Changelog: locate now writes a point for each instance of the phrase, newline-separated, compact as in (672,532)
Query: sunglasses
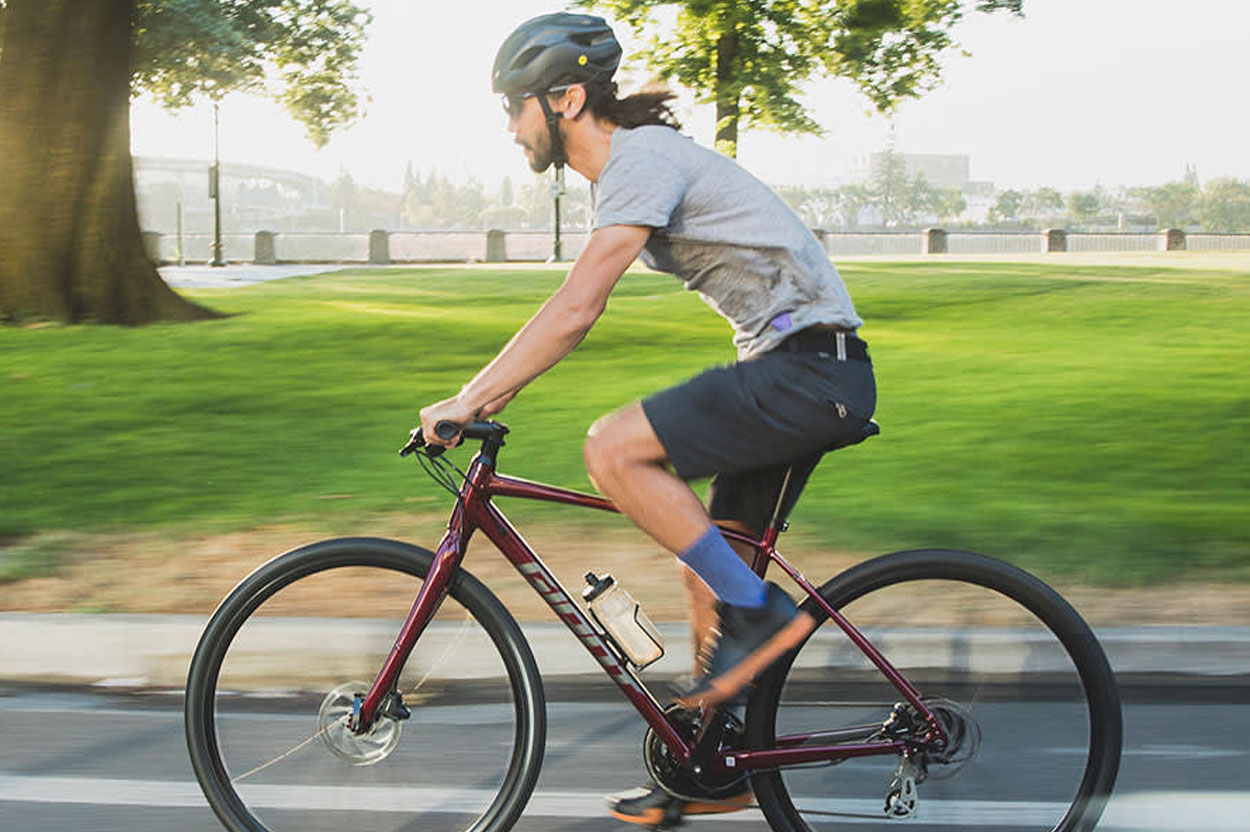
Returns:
(514,102)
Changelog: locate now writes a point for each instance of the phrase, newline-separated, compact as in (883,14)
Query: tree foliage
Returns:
(68,69)
(950,204)
(1083,205)
(891,197)
(301,52)
(752,57)
(895,204)
(1008,204)
(1043,203)
(430,200)
(1172,203)
(1224,205)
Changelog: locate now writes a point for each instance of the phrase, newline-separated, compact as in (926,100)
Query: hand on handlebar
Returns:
(449,410)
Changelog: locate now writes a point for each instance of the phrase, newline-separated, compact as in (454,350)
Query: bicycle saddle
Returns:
(869,430)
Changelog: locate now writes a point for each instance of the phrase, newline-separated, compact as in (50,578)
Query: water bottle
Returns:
(623,620)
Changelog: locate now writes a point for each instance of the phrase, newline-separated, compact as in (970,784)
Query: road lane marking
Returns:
(1183,752)
(175,794)
(1167,811)
(1141,811)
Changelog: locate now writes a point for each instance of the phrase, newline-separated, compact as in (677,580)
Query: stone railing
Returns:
(498,246)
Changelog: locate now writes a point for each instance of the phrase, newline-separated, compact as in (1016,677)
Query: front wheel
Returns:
(275,677)
(1021,686)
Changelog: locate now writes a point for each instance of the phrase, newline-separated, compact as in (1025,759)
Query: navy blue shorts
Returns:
(746,423)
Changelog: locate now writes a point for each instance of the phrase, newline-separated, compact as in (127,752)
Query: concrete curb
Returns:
(154,650)
(237,275)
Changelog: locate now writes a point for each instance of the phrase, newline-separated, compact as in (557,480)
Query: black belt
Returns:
(839,343)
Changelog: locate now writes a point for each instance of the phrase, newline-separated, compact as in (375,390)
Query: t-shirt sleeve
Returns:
(640,188)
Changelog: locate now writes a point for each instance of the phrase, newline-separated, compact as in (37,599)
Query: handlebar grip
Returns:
(444,429)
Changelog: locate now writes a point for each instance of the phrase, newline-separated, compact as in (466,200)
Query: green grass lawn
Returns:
(1086,420)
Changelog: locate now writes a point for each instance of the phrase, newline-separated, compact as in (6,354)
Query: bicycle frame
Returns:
(475,511)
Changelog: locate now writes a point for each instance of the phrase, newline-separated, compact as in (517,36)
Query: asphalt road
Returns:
(98,763)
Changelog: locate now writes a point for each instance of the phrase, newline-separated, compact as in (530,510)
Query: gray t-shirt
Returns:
(727,235)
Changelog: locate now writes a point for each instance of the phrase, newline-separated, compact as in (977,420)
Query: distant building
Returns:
(253,197)
(979,188)
(941,170)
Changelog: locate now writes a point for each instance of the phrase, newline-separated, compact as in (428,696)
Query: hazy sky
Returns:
(1079,92)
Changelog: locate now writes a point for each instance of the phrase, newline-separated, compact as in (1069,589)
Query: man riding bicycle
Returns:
(802,382)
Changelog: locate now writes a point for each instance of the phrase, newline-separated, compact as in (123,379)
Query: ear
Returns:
(574,103)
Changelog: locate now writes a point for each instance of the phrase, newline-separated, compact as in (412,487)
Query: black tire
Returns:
(1055,759)
(263,725)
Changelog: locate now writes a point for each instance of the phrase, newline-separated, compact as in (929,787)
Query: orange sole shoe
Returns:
(664,813)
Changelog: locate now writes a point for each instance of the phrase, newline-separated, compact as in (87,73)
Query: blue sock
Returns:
(723,571)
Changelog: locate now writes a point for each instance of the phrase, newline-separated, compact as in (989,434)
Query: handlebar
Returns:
(446,430)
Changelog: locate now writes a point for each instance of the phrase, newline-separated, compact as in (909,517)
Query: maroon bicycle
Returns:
(943,686)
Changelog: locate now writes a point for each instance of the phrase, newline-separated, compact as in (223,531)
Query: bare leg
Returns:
(626,462)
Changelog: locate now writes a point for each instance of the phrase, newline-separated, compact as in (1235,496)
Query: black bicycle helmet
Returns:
(553,49)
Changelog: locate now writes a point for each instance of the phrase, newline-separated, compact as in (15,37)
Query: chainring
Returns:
(677,778)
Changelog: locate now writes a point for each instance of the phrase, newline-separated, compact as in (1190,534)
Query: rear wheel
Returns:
(1017,679)
(275,678)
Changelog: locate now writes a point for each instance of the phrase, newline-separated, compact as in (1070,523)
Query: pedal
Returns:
(903,798)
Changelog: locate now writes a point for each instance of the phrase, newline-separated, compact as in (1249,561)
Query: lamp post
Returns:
(214,191)
(557,191)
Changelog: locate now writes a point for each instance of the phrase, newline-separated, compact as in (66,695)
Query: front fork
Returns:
(383,697)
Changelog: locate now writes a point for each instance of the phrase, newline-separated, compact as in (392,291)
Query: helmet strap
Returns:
(558,156)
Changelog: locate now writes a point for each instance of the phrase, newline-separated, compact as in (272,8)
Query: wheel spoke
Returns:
(272,690)
(241,777)
(1006,683)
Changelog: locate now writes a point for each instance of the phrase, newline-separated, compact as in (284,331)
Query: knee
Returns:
(616,444)
(601,454)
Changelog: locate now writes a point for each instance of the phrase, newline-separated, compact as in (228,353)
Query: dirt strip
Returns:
(125,573)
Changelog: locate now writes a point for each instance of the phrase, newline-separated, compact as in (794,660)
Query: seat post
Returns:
(779,521)
(804,466)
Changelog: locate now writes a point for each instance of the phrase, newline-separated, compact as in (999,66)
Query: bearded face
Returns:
(537,148)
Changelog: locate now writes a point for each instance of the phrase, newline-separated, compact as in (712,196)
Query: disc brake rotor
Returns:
(963,738)
(365,749)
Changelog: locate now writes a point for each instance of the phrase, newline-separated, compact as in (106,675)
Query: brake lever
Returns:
(444,429)
(416,441)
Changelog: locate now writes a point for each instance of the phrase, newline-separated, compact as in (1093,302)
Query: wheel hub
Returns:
(334,726)
(963,739)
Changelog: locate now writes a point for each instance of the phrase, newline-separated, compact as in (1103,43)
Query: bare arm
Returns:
(552,333)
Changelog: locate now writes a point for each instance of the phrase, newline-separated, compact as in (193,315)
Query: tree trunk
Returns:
(727,94)
(70,247)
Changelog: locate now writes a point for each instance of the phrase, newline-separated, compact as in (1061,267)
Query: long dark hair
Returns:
(646,107)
